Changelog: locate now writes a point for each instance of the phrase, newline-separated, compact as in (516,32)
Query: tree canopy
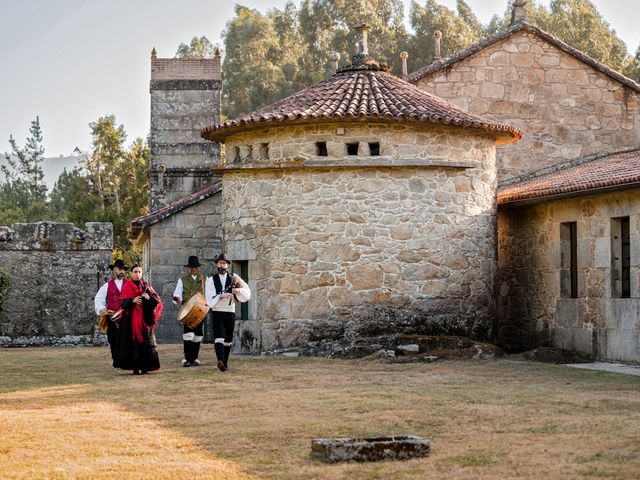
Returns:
(271,55)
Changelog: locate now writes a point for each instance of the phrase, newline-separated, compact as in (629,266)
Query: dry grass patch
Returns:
(65,414)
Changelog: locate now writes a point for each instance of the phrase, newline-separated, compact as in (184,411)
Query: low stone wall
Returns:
(532,308)
(54,271)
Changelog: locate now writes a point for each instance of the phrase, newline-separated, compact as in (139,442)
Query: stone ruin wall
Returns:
(341,254)
(565,108)
(55,270)
(531,308)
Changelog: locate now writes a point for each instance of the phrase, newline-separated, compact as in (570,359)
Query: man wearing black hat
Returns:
(222,291)
(107,301)
(187,286)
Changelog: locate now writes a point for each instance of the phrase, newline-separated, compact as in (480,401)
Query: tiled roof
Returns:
(145,221)
(613,171)
(364,94)
(517,27)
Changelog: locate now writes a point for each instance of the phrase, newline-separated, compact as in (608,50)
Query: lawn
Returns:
(64,413)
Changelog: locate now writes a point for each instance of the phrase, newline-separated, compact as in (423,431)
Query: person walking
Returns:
(223,289)
(188,285)
(136,343)
(107,301)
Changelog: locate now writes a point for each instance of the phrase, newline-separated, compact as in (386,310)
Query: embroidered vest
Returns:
(113,295)
(191,286)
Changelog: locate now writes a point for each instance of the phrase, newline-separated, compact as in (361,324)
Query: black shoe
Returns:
(136,372)
(221,366)
(195,363)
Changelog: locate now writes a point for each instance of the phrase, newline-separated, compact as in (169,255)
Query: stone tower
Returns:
(185,98)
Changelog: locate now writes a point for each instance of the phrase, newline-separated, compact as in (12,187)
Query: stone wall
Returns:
(360,248)
(167,246)
(533,311)
(55,270)
(185,98)
(564,107)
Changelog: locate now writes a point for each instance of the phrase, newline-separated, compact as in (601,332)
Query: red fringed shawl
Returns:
(131,290)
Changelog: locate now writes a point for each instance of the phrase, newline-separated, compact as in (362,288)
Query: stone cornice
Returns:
(349,163)
(185,85)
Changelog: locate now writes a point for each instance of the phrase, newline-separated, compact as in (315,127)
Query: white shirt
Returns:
(100,301)
(243,294)
(179,289)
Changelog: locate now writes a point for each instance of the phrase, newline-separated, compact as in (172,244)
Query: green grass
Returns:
(64,413)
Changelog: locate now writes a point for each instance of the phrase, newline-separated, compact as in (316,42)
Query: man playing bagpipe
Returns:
(223,289)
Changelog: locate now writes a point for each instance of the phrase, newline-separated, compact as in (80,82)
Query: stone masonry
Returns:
(361,245)
(566,108)
(532,307)
(185,97)
(55,270)
(196,230)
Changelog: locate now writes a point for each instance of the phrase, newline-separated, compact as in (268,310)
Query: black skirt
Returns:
(131,355)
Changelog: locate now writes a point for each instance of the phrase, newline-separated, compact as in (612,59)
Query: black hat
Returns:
(193,262)
(221,257)
(118,263)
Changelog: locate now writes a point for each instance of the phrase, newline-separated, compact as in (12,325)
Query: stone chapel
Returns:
(492,194)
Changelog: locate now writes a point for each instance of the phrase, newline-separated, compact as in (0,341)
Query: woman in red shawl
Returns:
(136,345)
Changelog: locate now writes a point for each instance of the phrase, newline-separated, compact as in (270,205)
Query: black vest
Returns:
(218,284)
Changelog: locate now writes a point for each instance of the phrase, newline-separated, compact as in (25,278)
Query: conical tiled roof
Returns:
(361,92)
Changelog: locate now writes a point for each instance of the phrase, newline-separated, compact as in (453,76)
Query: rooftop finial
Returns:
(403,57)
(437,35)
(519,11)
(154,54)
(363,44)
(334,58)
(216,53)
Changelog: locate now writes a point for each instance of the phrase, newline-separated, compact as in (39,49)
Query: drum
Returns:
(193,311)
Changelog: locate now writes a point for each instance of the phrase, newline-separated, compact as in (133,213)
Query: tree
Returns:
(106,159)
(632,70)
(23,193)
(73,199)
(457,32)
(200,47)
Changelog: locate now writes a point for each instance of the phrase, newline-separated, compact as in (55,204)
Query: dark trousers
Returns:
(223,325)
(112,337)
(191,344)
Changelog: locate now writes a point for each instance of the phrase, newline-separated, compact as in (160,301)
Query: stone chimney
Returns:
(405,71)
(519,11)
(437,35)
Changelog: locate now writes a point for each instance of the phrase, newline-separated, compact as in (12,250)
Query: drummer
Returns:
(188,285)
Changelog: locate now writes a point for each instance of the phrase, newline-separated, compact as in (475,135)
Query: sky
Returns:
(70,62)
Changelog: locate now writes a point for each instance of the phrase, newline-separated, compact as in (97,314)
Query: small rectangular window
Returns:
(569,260)
(374,149)
(321,149)
(264,151)
(352,148)
(620,258)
